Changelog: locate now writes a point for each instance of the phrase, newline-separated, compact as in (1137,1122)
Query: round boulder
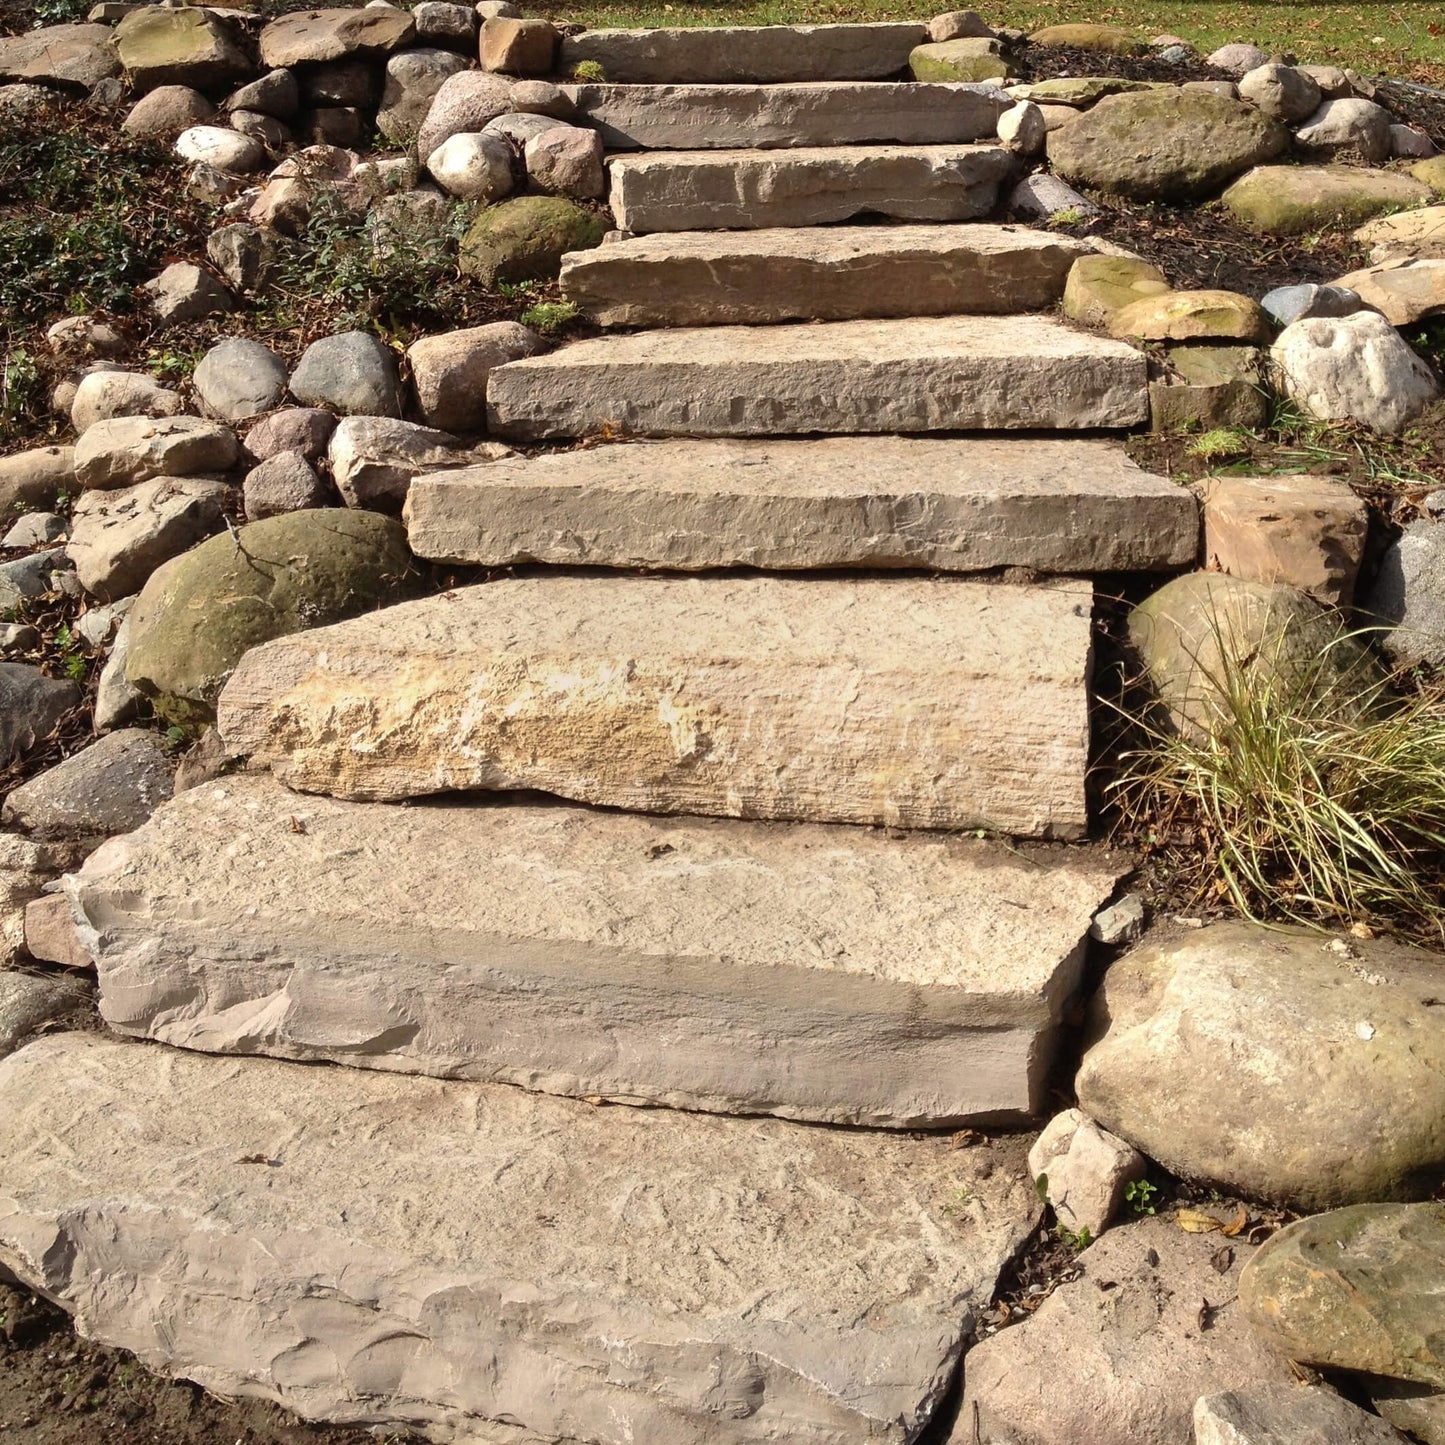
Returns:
(1281,92)
(473,166)
(525,238)
(238,379)
(352,373)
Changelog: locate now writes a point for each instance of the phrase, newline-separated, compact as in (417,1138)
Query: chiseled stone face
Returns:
(921,703)
(633,1273)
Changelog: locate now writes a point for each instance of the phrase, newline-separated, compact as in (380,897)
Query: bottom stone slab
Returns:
(473,1260)
(824,973)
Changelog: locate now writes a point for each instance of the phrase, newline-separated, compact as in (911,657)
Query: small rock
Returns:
(1192,315)
(486,9)
(352,372)
(31,706)
(225,149)
(19,637)
(244,254)
(1287,1415)
(1042,197)
(28,1002)
(98,623)
(519,127)
(117,702)
(1353,368)
(519,47)
(284,482)
(1408,142)
(213,187)
(473,167)
(86,335)
(264,128)
(28,577)
(118,538)
(374,458)
(1120,922)
(24,102)
(238,379)
(1085,1170)
(1332,81)
(541,97)
(1022,128)
(276,94)
(51,935)
(111,787)
(567,160)
(1281,92)
(1204,386)
(101,395)
(958,25)
(1409,595)
(168,111)
(1349,125)
(450,371)
(1237,60)
(183,292)
(293,429)
(440,23)
(126,450)
(1288,304)
(36,529)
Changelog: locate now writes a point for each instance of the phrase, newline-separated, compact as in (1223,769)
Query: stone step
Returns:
(822,973)
(833,273)
(820,113)
(727,190)
(486,1264)
(733,54)
(919,702)
(958,504)
(918,374)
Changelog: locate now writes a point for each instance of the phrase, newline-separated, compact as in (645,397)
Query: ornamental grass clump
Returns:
(1316,793)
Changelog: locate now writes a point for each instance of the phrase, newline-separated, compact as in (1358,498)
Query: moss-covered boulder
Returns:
(1206,386)
(1105,39)
(1431,173)
(1164,145)
(1192,316)
(1294,200)
(1099,286)
(160,46)
(974,58)
(525,238)
(201,611)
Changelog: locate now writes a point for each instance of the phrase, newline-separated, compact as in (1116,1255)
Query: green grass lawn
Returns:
(1381,39)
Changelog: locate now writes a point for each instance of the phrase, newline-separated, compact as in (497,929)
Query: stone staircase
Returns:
(486,1262)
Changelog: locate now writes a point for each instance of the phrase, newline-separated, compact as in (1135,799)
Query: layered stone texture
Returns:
(917,702)
(957,504)
(482,1263)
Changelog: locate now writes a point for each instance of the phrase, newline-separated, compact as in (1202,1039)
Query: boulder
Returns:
(1305,531)
(200,612)
(1402,290)
(1281,92)
(1287,304)
(31,706)
(1351,124)
(168,110)
(1266,1062)
(566,160)
(304,429)
(50,934)
(1023,128)
(1412,234)
(958,25)
(1106,39)
(284,482)
(222,148)
(1293,200)
(264,128)
(33,478)
(440,23)
(101,395)
(1199,387)
(313,37)
(1199,631)
(130,449)
(374,458)
(1237,59)
(971,60)
(1117,1355)
(244,254)
(412,80)
(119,537)
(1099,286)
(1083,1171)
(111,787)
(519,47)
(525,238)
(1353,368)
(462,105)
(238,379)
(184,292)
(1409,595)
(1287,1415)
(473,166)
(449,371)
(1356,1289)
(68,56)
(159,45)
(351,372)
(28,1002)
(1164,145)
(1191,316)
(276,93)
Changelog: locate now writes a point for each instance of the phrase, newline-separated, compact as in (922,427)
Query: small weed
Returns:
(1139,1195)
(1069,216)
(549,316)
(589,70)
(957,1202)
(1077,1239)
(1221,444)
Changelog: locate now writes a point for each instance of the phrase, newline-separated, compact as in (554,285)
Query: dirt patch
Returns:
(1053,62)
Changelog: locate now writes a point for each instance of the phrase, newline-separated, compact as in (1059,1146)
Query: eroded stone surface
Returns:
(638,1276)
(703,278)
(762,697)
(821,973)
(915,374)
(957,504)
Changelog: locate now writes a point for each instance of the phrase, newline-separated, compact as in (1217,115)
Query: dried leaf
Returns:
(1196,1221)
(1223,1259)
(1237,1225)
(1206,1314)
(297,826)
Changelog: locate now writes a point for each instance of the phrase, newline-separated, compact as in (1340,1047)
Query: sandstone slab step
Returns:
(815,972)
(918,374)
(834,273)
(729,54)
(958,504)
(486,1264)
(936,703)
(819,113)
(806,186)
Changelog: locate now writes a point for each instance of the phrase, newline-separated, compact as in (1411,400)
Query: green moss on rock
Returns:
(525,238)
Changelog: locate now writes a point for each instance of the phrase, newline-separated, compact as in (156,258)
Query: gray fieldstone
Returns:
(86,335)
(222,148)
(1288,304)
(1351,124)
(21,102)
(98,623)
(567,161)
(184,292)
(449,371)
(30,1001)
(28,577)
(957,25)
(441,23)
(1022,128)
(61,55)
(1408,142)
(373,459)
(167,111)
(284,482)
(1084,1170)
(1041,197)
(519,128)
(1332,81)
(1237,59)
(463,104)
(117,702)
(315,37)
(473,166)
(1409,595)
(351,372)
(292,429)
(31,705)
(1353,368)
(130,449)
(111,787)
(244,254)
(1281,92)
(33,478)
(1265,1062)
(264,128)
(101,395)
(1288,1415)
(276,93)
(1120,922)
(36,529)
(238,379)
(412,80)
(119,537)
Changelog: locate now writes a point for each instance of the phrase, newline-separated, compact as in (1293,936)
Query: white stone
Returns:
(1353,368)
(219,146)
(1022,128)
(492,1264)
(1085,1171)
(1350,124)
(954,504)
(756,697)
(100,395)
(374,458)
(921,374)
(473,166)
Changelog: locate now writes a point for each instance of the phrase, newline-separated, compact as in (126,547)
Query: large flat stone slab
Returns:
(486,1264)
(958,504)
(816,972)
(933,703)
(729,54)
(818,113)
(833,273)
(919,374)
(806,186)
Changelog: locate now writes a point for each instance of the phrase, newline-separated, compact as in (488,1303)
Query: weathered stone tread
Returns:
(959,504)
